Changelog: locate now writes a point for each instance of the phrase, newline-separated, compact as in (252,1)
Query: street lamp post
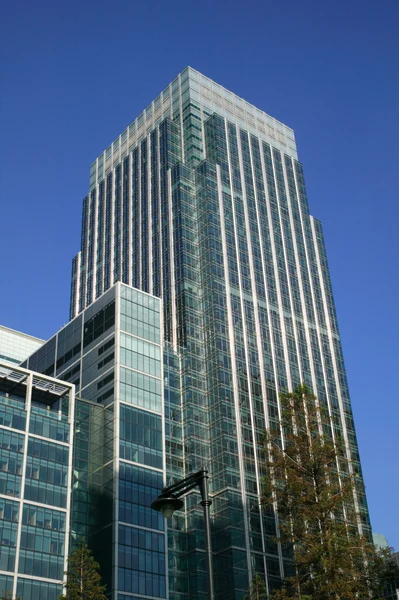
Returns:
(169,500)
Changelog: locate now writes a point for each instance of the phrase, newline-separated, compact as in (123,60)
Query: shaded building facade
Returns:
(112,353)
(36,450)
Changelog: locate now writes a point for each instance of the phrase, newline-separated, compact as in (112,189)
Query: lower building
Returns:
(112,353)
(379,541)
(86,447)
(16,346)
(36,446)
(392,589)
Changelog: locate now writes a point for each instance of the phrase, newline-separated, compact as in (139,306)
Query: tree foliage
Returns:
(257,589)
(311,485)
(83,576)
(7,595)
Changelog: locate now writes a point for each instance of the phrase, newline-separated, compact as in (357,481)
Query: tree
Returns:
(83,576)
(311,485)
(257,589)
(6,595)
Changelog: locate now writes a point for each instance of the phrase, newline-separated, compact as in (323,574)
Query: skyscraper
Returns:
(202,202)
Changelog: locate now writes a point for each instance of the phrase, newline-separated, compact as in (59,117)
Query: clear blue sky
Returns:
(75,74)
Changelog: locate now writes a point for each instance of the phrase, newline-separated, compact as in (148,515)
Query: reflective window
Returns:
(138,487)
(140,320)
(12,413)
(140,355)
(47,424)
(141,561)
(140,390)
(6,583)
(141,437)
(35,590)
(98,324)
(45,518)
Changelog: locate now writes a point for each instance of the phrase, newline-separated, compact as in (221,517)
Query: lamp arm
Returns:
(199,479)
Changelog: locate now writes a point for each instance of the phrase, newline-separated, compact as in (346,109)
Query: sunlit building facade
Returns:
(201,291)
(202,202)
(16,346)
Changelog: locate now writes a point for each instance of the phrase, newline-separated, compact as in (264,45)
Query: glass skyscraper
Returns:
(201,205)
(202,201)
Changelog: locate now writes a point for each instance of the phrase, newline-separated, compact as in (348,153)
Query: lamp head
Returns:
(167,505)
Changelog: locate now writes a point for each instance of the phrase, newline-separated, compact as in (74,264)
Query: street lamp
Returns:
(169,500)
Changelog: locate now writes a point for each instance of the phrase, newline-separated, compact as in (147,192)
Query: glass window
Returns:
(98,324)
(141,437)
(140,355)
(141,553)
(35,590)
(45,518)
(138,487)
(140,390)
(6,583)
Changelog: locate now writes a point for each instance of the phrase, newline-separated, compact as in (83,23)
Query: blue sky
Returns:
(75,74)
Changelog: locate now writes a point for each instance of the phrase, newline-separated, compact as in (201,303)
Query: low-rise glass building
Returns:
(36,446)
(16,346)
(112,353)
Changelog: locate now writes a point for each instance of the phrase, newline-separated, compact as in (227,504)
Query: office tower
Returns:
(36,416)
(202,202)
(16,346)
(112,353)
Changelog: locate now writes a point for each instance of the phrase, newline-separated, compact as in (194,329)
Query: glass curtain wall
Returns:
(36,416)
(203,201)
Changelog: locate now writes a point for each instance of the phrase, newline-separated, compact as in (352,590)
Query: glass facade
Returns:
(112,352)
(141,531)
(201,202)
(36,417)
(16,346)
(210,213)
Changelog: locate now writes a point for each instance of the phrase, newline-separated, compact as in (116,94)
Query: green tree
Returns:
(83,576)
(257,589)
(6,595)
(310,484)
